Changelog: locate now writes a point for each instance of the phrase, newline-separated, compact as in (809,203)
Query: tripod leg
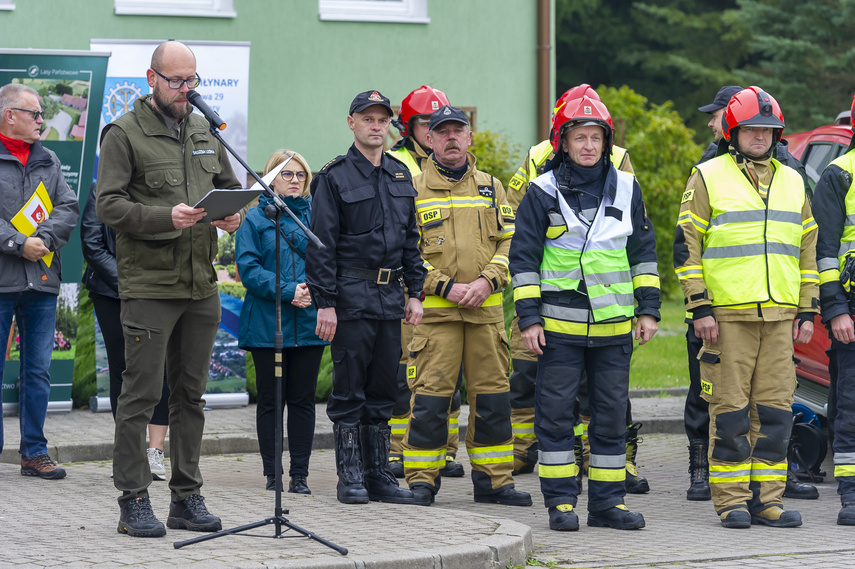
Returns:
(180,544)
(310,535)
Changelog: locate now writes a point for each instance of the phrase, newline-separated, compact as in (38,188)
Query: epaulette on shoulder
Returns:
(332,163)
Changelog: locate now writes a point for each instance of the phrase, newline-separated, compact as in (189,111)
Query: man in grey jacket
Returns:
(38,211)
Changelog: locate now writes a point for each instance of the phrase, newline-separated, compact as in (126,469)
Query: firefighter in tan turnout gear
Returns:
(745,255)
(466,227)
(525,361)
(413,150)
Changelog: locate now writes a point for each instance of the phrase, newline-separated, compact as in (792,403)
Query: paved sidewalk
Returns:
(72,522)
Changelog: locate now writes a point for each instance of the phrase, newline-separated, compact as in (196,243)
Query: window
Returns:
(400,11)
(196,8)
(816,158)
(6,5)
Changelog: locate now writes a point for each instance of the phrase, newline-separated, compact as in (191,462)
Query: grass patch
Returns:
(662,362)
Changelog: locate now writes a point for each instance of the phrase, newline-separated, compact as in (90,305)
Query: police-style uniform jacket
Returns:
(18,183)
(466,227)
(740,257)
(365,216)
(834,209)
(580,279)
(144,171)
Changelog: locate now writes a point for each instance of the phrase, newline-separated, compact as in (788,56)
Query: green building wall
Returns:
(304,71)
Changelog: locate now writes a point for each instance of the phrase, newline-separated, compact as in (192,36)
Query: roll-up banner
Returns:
(67,82)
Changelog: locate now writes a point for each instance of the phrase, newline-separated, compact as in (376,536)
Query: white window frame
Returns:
(6,5)
(396,11)
(193,8)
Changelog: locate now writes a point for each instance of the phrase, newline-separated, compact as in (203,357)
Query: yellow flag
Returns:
(35,211)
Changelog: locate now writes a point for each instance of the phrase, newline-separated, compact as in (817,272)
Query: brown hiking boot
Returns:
(41,466)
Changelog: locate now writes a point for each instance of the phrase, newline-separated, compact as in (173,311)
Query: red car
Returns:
(816,149)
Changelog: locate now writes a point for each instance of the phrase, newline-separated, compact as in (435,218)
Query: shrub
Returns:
(494,155)
(83,381)
(236,290)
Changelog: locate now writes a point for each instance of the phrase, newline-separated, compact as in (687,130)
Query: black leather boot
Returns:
(379,480)
(635,483)
(799,490)
(348,464)
(699,472)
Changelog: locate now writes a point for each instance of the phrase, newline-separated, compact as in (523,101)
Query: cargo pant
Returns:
(437,350)
(522,397)
(401,411)
(560,371)
(748,378)
(180,334)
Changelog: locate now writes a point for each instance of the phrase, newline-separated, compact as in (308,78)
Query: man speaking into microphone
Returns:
(155,160)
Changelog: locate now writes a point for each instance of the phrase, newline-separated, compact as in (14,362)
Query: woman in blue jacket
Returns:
(255,247)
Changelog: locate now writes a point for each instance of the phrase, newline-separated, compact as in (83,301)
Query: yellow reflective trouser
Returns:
(748,378)
(398,422)
(437,350)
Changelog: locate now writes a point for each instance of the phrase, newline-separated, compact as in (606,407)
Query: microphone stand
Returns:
(278,519)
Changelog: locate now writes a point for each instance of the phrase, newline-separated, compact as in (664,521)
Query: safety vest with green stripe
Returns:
(595,254)
(847,237)
(404,156)
(751,249)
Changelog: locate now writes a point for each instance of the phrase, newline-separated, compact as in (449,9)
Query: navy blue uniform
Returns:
(365,215)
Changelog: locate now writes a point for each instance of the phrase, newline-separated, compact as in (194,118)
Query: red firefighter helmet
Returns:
(423,101)
(582,112)
(577,92)
(752,107)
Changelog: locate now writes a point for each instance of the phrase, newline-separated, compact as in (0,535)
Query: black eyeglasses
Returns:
(177,83)
(287,175)
(36,114)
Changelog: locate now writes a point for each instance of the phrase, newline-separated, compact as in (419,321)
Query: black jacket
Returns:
(365,215)
(829,210)
(99,251)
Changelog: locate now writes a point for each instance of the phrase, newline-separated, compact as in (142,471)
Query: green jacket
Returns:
(144,171)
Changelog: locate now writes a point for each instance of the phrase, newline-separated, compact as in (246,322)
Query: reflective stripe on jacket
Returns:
(465,231)
(751,248)
(576,252)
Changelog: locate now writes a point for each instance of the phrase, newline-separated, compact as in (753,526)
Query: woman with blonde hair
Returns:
(255,249)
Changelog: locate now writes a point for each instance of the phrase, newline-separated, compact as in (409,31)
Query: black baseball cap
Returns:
(364,100)
(721,98)
(447,113)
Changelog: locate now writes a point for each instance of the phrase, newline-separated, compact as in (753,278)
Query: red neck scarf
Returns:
(17,148)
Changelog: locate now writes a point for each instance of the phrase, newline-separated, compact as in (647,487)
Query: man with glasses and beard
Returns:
(155,160)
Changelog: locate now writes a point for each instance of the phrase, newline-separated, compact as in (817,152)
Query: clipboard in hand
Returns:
(220,204)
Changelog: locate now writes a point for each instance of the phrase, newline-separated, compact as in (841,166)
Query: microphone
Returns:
(197,101)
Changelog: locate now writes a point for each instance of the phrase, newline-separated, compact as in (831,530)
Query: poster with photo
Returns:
(66,82)
(223,68)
